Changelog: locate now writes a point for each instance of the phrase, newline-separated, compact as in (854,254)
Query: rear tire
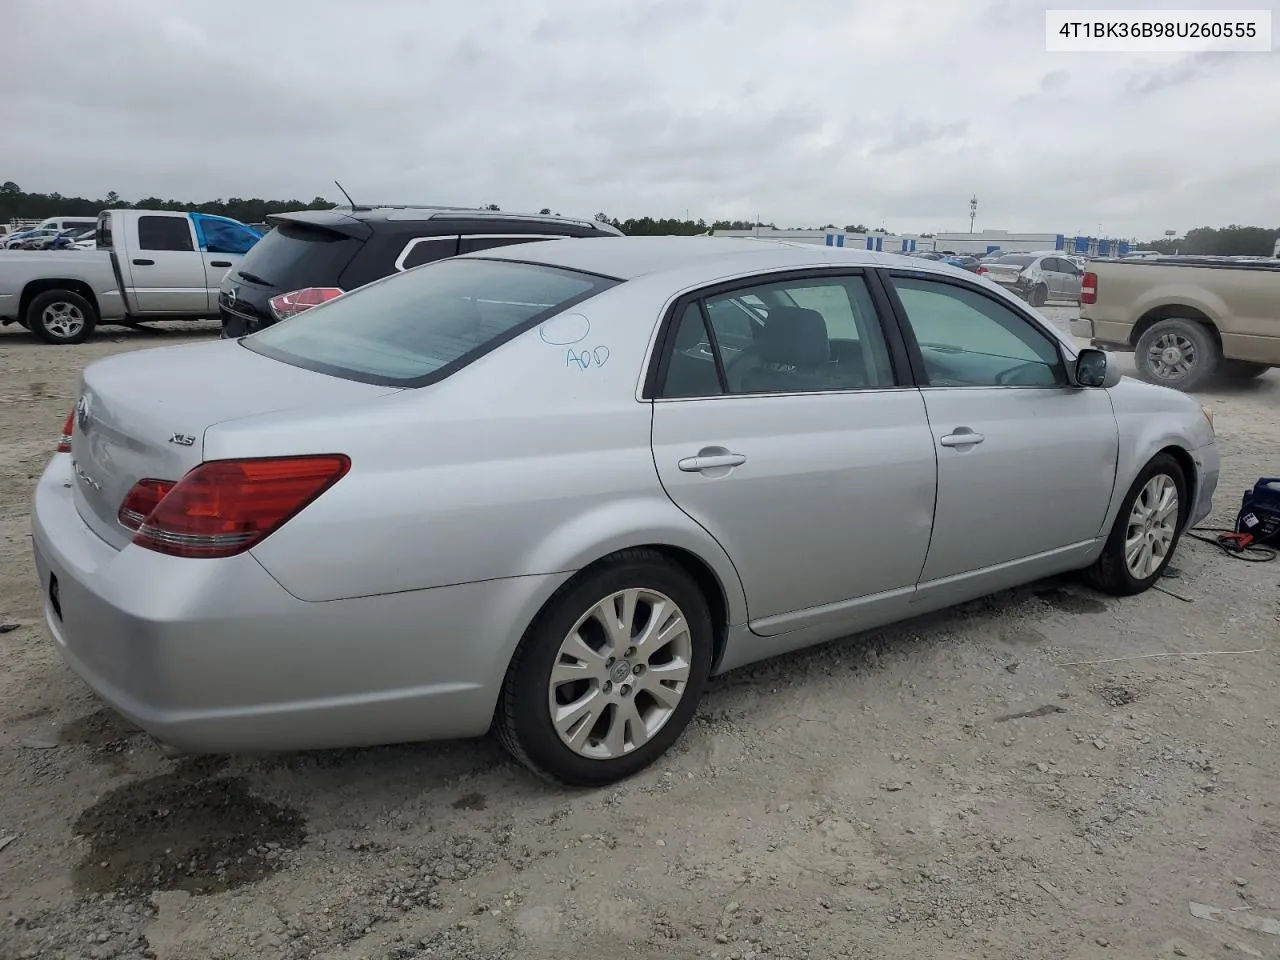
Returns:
(1146,531)
(1177,353)
(61,317)
(585,705)
(1242,369)
(1038,296)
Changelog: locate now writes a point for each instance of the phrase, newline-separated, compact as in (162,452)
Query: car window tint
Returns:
(428,249)
(691,366)
(412,328)
(164,233)
(815,334)
(968,339)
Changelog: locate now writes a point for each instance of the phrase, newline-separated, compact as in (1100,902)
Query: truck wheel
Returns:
(1177,353)
(1242,369)
(61,317)
(1038,296)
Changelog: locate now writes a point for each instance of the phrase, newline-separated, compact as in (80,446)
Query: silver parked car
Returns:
(550,489)
(1036,277)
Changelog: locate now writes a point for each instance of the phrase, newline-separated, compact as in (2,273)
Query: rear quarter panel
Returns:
(535,459)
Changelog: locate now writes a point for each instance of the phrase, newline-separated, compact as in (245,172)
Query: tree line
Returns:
(15,203)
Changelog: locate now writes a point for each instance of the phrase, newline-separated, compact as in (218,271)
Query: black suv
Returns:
(315,255)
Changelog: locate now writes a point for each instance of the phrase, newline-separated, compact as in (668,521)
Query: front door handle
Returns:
(143,263)
(963,437)
(219,263)
(711,462)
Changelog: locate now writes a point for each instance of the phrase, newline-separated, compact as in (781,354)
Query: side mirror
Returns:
(1094,369)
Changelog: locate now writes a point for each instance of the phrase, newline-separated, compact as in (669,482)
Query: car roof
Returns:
(628,258)
(389,213)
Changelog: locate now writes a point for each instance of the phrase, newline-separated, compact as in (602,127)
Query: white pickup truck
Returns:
(148,265)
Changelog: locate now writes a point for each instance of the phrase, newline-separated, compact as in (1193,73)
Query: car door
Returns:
(1026,462)
(1073,279)
(223,244)
(166,273)
(806,454)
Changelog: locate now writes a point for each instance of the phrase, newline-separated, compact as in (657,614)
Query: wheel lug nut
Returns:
(626,689)
(631,652)
(608,686)
(610,662)
(638,669)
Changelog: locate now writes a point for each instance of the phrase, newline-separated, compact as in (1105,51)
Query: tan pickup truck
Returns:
(1186,320)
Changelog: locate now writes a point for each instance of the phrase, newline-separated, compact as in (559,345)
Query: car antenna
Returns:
(347,195)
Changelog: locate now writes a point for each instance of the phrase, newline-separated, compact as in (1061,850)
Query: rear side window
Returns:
(292,257)
(104,232)
(422,250)
(417,327)
(165,233)
(471,244)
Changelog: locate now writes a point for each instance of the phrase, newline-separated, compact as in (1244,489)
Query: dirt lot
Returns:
(953,787)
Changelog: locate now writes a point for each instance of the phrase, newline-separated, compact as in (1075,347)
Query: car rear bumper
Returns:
(214,655)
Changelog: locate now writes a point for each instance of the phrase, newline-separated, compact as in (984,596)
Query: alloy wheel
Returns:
(620,673)
(1152,526)
(1171,356)
(63,320)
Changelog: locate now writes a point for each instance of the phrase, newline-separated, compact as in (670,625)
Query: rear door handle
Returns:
(963,437)
(219,263)
(144,263)
(698,464)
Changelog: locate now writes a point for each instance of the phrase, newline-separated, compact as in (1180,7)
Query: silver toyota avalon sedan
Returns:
(550,489)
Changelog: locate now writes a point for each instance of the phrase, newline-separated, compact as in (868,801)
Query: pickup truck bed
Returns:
(1186,320)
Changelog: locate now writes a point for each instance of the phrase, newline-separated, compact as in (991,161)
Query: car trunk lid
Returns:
(144,415)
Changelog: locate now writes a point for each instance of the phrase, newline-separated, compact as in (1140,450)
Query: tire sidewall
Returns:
(1038,296)
(1161,463)
(1206,353)
(43,300)
(528,682)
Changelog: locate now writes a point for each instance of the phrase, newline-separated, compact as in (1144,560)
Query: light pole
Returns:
(973,211)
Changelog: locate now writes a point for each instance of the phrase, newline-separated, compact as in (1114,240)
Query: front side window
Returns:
(164,233)
(416,327)
(792,336)
(968,339)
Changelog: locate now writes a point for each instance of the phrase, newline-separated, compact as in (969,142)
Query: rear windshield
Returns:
(291,257)
(1017,260)
(417,327)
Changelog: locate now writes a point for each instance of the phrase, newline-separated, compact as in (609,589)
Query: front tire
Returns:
(1146,530)
(1177,353)
(61,317)
(609,674)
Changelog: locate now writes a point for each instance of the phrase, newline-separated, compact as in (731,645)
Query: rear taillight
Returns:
(224,507)
(982,270)
(141,501)
(64,443)
(1089,288)
(293,303)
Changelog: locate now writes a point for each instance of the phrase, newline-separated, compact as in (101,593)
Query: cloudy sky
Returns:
(803,112)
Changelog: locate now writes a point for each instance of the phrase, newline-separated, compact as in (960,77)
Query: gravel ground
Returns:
(951,787)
